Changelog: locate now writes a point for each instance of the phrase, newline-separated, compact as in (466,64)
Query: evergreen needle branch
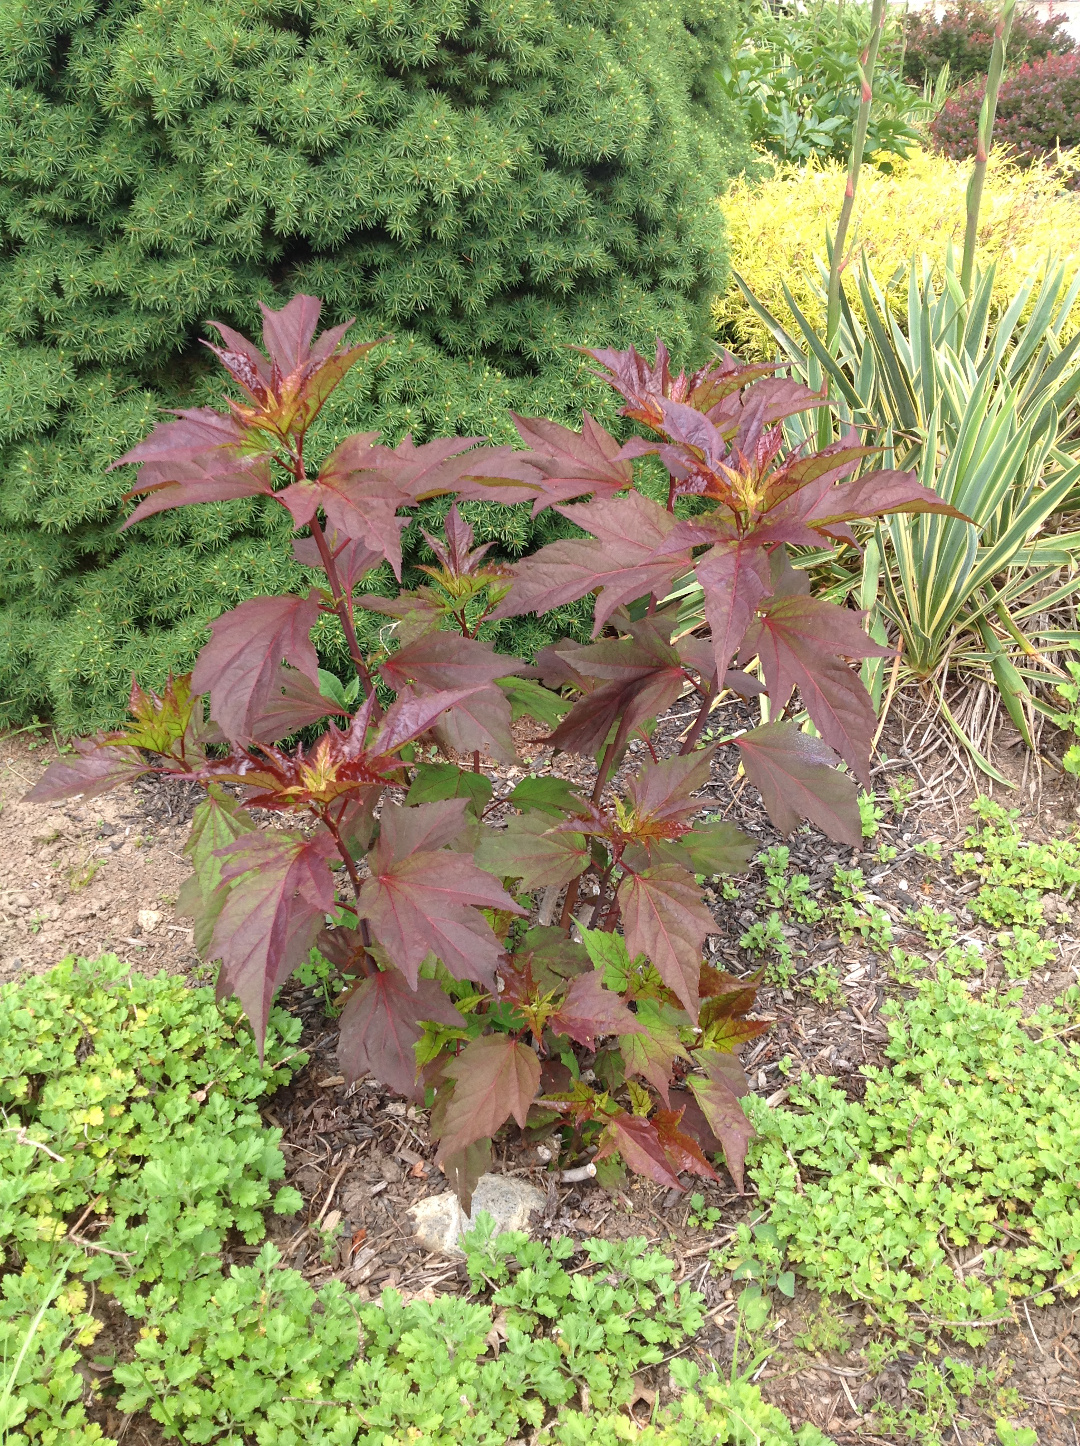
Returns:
(985,139)
(867,64)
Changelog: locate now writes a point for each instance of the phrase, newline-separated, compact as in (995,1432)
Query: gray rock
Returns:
(440,1222)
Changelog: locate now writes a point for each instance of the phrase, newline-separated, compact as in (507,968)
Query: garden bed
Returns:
(104,876)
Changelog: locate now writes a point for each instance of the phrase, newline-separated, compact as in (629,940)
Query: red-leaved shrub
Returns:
(1038,112)
(431,892)
(963,38)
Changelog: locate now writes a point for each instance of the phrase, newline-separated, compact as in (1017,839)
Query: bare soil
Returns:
(103,875)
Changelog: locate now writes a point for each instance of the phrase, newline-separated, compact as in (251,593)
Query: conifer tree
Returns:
(490,181)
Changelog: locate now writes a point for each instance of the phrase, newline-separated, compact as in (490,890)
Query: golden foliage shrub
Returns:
(777,227)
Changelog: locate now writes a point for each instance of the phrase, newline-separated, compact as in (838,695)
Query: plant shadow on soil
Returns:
(103,874)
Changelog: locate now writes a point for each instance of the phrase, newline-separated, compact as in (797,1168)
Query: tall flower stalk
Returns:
(986,132)
(867,63)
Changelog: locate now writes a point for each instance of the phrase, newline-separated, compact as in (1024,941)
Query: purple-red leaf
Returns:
(412,714)
(875,495)
(447,660)
(734,577)
(494,1077)
(280,887)
(382,1021)
(637,1141)
(99,767)
(352,559)
(720,1105)
(802,642)
(422,899)
(201,457)
(590,1011)
(572,463)
(662,794)
(630,558)
(241,666)
(665,919)
(797,778)
(651,1051)
(681,1149)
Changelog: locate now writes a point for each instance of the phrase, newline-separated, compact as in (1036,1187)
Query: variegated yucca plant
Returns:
(983,408)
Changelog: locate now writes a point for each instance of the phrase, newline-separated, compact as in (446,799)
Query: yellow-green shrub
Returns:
(777,227)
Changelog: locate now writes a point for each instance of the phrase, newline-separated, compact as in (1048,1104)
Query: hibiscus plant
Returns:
(537,953)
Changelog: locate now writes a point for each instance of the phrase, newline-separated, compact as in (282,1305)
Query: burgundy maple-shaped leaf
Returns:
(875,495)
(720,1105)
(416,612)
(636,551)
(735,576)
(464,1168)
(480,723)
(352,559)
(447,660)
(662,794)
(99,767)
(665,919)
(494,1077)
(797,779)
(356,503)
(680,1146)
(201,457)
(292,702)
(422,899)
(411,714)
(279,889)
(590,1011)
(481,720)
(536,850)
(638,678)
(738,996)
(769,400)
(637,1141)
(382,1021)
(456,554)
(802,642)
(652,1049)
(216,822)
(696,1126)
(572,463)
(288,393)
(240,666)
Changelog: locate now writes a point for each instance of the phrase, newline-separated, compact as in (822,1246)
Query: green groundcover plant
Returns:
(950,1191)
(457,1001)
(491,183)
(131,1146)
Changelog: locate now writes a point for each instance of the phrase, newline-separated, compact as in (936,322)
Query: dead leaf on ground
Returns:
(496,1336)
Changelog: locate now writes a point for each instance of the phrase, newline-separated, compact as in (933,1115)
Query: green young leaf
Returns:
(531,849)
(718,848)
(651,1053)
(553,796)
(529,700)
(217,821)
(433,782)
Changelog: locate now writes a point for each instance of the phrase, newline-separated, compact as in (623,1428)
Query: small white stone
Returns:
(440,1222)
(149,919)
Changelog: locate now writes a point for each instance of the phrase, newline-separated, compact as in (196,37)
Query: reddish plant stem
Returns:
(568,904)
(354,874)
(598,789)
(341,602)
(341,605)
(690,741)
